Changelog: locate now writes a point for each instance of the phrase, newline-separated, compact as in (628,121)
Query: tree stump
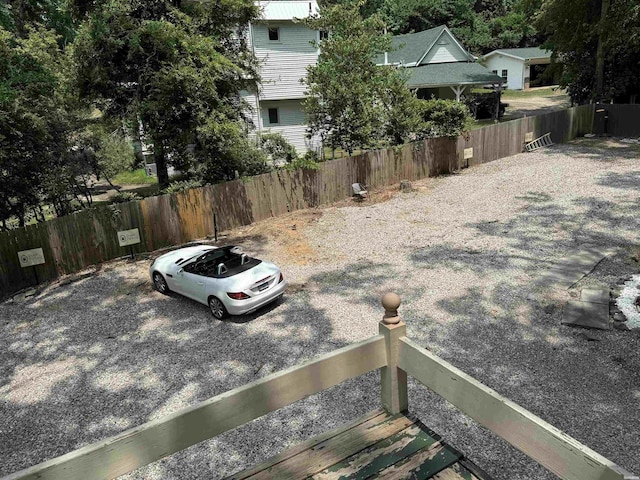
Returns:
(405,186)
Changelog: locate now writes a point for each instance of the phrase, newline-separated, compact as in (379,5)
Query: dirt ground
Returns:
(100,352)
(536,105)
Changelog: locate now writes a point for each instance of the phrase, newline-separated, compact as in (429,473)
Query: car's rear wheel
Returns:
(160,283)
(217,308)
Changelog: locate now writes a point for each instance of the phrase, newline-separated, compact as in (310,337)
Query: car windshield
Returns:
(221,262)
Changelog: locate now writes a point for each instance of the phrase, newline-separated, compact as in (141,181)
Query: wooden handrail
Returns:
(547,445)
(394,354)
(147,443)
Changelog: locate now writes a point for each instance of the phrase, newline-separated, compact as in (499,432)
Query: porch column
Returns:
(393,380)
(458,90)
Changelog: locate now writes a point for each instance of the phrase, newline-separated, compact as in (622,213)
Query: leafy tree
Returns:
(19,16)
(278,148)
(34,119)
(600,62)
(352,103)
(416,15)
(174,68)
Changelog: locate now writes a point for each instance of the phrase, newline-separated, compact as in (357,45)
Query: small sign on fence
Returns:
(30,258)
(468,153)
(528,137)
(129,237)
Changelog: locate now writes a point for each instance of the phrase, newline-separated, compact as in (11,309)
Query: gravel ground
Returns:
(86,360)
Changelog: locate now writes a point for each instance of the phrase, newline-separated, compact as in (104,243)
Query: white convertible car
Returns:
(229,281)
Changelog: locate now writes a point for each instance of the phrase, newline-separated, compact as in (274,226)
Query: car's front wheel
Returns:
(160,283)
(217,308)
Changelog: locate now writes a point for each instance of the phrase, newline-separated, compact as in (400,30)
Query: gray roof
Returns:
(410,48)
(457,73)
(529,53)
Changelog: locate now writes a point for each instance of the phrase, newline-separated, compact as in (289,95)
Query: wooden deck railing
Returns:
(391,352)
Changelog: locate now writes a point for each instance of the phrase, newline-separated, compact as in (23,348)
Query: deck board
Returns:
(378,445)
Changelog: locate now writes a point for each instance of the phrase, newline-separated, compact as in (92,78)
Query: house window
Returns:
(324,35)
(273,116)
(504,75)
(274,33)
(495,71)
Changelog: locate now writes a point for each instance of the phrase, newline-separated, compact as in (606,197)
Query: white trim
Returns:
(524,59)
(445,29)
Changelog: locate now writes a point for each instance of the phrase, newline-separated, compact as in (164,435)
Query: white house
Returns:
(514,65)
(438,65)
(285,50)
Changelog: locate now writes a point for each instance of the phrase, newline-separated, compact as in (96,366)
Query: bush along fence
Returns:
(92,236)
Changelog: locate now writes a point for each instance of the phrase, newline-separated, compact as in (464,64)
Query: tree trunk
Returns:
(600,51)
(161,163)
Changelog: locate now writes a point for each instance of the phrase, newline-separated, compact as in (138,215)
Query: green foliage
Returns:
(417,15)
(309,161)
(482,105)
(617,34)
(352,103)
(481,25)
(175,69)
(123,197)
(108,151)
(278,148)
(443,118)
(182,185)
(35,120)
(134,177)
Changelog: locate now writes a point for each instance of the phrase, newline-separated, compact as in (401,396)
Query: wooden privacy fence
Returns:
(622,120)
(391,352)
(89,237)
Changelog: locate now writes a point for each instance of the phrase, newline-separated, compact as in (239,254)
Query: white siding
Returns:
(252,113)
(445,50)
(292,122)
(284,61)
(514,67)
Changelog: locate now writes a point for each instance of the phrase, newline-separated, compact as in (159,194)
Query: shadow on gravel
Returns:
(586,385)
(629,180)
(107,353)
(583,382)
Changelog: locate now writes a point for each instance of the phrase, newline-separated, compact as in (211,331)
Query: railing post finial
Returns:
(391,302)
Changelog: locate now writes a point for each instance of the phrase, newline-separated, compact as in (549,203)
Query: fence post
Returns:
(393,380)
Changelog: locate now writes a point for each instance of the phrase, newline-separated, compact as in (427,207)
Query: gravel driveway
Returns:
(86,360)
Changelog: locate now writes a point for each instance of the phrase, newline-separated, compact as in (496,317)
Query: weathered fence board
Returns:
(89,237)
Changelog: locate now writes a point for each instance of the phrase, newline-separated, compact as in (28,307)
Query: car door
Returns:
(190,284)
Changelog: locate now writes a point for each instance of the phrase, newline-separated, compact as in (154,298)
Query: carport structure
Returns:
(386,443)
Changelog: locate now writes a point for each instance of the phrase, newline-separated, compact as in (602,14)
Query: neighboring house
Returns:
(437,64)
(519,67)
(284,49)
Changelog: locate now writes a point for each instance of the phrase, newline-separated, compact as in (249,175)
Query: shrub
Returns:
(278,148)
(182,185)
(309,161)
(483,105)
(442,118)
(122,197)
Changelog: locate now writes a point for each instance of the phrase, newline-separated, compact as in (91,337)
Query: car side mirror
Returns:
(180,271)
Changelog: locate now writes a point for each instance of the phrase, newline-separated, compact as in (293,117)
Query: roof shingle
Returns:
(458,73)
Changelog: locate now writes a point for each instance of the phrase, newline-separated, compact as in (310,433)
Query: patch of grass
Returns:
(540,92)
(134,177)
(339,153)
